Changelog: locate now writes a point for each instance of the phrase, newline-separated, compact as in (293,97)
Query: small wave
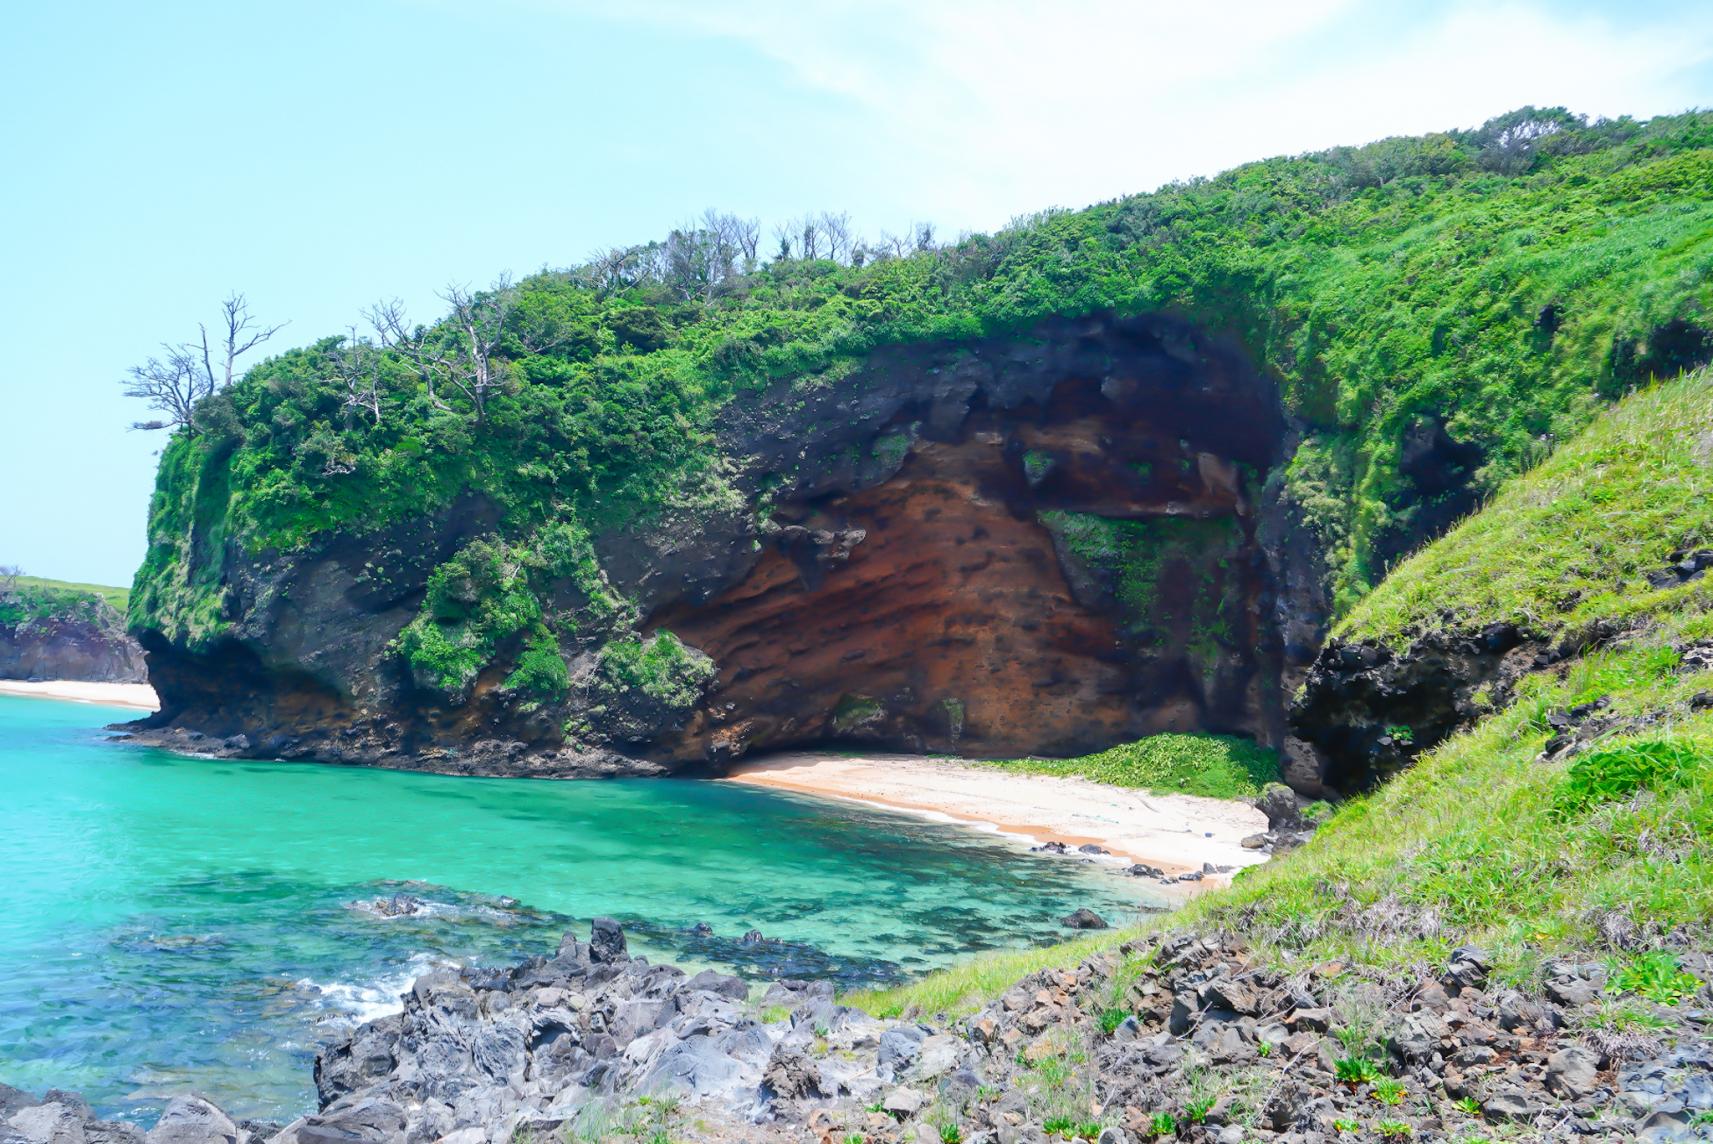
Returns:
(357,1002)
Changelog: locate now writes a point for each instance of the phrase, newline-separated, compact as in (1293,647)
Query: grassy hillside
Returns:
(1494,287)
(24,598)
(1575,540)
(1606,844)
(120,598)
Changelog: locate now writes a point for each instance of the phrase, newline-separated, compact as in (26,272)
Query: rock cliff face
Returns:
(1044,545)
(80,637)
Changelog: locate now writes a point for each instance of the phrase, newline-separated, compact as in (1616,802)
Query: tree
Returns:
(1508,142)
(358,367)
(9,574)
(191,371)
(479,321)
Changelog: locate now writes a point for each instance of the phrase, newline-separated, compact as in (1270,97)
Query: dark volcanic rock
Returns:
(528,1052)
(83,639)
(1083,918)
(1366,710)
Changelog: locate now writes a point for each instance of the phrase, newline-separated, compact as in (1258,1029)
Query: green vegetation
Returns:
(1594,519)
(26,600)
(1657,977)
(1212,766)
(1133,557)
(1356,1070)
(968,986)
(1501,283)
(1607,849)
(119,598)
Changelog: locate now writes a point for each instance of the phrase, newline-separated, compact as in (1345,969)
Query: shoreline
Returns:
(1176,832)
(137,696)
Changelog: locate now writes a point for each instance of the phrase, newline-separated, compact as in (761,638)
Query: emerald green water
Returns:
(170,923)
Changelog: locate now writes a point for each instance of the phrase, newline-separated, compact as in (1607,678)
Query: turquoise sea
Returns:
(172,923)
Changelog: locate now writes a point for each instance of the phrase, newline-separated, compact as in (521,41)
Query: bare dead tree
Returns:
(359,369)
(9,574)
(171,384)
(480,320)
(388,320)
(836,235)
(609,270)
(190,371)
(242,334)
(411,345)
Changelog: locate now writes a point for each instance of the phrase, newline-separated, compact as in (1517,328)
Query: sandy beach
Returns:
(138,695)
(1172,831)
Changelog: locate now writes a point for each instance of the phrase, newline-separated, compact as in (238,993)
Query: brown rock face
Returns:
(1051,579)
(1046,544)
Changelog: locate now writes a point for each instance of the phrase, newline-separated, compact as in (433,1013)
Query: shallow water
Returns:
(170,923)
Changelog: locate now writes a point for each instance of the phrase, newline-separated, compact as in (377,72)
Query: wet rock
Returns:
(1083,918)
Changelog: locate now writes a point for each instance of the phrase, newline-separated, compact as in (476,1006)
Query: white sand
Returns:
(1175,832)
(138,695)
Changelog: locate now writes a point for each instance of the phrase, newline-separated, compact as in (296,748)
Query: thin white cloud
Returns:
(1000,106)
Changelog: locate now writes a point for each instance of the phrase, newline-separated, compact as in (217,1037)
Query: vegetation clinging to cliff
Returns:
(1590,535)
(1494,286)
(30,599)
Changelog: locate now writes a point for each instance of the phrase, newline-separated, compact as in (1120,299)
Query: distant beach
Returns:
(1176,832)
(138,695)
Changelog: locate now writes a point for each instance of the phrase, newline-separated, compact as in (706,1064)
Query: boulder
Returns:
(194,1120)
(606,941)
(1083,918)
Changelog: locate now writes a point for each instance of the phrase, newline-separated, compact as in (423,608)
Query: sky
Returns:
(319,155)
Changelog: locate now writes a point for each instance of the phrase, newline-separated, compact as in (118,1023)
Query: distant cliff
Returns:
(1102,473)
(50,630)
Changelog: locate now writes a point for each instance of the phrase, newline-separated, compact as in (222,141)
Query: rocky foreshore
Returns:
(1181,1037)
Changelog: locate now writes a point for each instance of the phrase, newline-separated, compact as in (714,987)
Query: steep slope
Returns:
(1103,473)
(1607,538)
(53,630)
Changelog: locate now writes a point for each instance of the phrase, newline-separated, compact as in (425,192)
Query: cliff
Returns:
(50,630)
(1103,473)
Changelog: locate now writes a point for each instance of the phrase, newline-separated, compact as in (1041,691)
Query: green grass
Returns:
(120,598)
(1480,841)
(31,599)
(969,985)
(1212,766)
(1571,541)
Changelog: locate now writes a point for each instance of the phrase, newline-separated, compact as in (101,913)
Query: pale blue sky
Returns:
(319,155)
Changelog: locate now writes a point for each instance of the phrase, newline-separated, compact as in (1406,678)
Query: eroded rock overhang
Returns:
(1042,545)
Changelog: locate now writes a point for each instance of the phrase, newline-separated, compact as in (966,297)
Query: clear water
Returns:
(170,923)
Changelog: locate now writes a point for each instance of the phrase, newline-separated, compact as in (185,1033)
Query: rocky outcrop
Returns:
(1366,708)
(1038,545)
(1183,1036)
(62,635)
